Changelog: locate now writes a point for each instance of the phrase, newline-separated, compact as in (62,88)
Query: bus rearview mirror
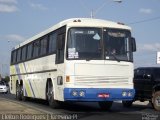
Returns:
(133,41)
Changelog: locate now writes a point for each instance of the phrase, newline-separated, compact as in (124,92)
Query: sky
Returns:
(22,19)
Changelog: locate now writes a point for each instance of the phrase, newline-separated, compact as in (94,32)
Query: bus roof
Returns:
(77,22)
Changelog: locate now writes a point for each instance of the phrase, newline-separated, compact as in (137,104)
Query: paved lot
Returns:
(81,111)
(7,107)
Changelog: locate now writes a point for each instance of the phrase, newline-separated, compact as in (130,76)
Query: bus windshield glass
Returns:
(84,43)
(117,45)
(93,44)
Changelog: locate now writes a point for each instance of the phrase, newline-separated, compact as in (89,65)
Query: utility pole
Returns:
(94,12)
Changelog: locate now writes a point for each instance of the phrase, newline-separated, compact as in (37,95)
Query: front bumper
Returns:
(3,90)
(98,94)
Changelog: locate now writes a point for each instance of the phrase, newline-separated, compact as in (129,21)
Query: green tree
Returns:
(6,79)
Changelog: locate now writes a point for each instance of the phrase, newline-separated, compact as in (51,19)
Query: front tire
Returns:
(105,105)
(50,96)
(127,104)
(156,100)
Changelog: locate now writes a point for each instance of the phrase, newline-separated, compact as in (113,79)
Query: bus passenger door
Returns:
(60,67)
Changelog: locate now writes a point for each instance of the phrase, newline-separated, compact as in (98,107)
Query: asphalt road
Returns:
(91,111)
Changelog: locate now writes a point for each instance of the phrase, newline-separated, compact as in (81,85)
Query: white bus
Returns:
(80,59)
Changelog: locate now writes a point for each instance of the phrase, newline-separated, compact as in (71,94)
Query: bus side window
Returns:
(52,42)
(36,48)
(14,56)
(60,48)
(19,55)
(24,50)
(43,46)
(29,51)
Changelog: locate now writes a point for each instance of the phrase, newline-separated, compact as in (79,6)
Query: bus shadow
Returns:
(116,108)
(91,107)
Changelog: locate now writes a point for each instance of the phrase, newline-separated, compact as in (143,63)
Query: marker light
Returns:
(120,23)
(77,20)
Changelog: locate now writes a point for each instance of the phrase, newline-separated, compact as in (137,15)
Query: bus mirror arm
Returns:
(133,43)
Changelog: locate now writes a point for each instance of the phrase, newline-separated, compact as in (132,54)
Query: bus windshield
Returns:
(84,43)
(117,45)
(93,44)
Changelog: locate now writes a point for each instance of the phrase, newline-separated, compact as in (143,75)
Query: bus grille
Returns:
(100,80)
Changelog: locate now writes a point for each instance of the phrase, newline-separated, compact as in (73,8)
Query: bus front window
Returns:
(84,44)
(117,45)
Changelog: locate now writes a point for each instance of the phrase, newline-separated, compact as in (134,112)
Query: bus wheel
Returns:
(127,103)
(24,98)
(18,92)
(105,105)
(50,97)
(156,100)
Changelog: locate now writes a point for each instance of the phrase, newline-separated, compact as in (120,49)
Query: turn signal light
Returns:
(67,78)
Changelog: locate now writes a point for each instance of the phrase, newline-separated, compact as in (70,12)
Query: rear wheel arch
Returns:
(21,82)
(17,82)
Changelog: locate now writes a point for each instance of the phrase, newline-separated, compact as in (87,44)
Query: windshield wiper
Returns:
(88,59)
(115,57)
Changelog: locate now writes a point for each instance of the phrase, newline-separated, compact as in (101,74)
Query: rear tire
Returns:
(105,105)
(156,100)
(24,98)
(18,92)
(127,104)
(50,96)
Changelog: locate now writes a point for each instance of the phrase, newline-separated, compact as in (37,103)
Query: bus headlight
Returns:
(124,94)
(75,93)
(81,93)
(129,94)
